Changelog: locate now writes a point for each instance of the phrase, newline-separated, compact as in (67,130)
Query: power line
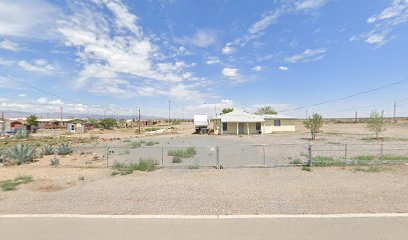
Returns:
(346,97)
(369,106)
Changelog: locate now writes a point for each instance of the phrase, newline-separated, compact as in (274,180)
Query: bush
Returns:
(151,129)
(20,134)
(65,149)
(296,161)
(47,150)
(324,161)
(9,185)
(182,153)
(54,162)
(136,144)
(176,159)
(21,153)
(81,178)
(151,143)
(306,168)
(146,165)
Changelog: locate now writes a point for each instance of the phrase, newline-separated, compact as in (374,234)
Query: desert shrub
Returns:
(47,150)
(54,162)
(20,134)
(2,156)
(146,165)
(136,144)
(151,143)
(21,153)
(81,178)
(307,168)
(65,149)
(296,161)
(9,185)
(324,161)
(182,153)
(151,129)
(176,159)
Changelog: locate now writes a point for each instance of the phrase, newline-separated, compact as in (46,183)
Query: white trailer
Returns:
(201,123)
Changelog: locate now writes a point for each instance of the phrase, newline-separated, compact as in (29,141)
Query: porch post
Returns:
(221,126)
(264,128)
(237,129)
(247,128)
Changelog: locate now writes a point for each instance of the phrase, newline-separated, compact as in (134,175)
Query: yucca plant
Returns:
(21,153)
(65,149)
(54,162)
(2,156)
(47,150)
(22,134)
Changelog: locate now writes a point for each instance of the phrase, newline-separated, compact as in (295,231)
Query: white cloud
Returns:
(265,21)
(39,66)
(309,55)
(119,59)
(204,38)
(9,45)
(258,28)
(283,68)
(257,68)
(213,60)
(228,50)
(310,4)
(385,23)
(21,95)
(27,18)
(6,62)
(230,72)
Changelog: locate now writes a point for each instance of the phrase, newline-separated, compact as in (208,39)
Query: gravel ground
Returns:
(208,191)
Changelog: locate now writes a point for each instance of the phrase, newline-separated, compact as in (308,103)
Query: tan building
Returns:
(239,122)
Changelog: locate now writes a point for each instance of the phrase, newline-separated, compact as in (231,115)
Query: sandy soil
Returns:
(207,191)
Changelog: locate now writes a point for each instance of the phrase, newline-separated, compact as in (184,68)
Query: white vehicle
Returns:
(201,123)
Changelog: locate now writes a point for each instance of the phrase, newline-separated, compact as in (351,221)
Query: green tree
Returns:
(266,110)
(314,124)
(376,123)
(32,120)
(94,122)
(108,123)
(227,110)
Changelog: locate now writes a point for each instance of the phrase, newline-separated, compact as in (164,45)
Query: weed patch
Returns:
(10,185)
(146,165)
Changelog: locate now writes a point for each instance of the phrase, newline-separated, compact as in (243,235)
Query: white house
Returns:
(239,122)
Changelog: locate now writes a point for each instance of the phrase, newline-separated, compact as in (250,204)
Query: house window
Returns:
(277,123)
(258,126)
(224,127)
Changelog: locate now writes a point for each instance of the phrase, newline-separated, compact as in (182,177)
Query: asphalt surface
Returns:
(205,227)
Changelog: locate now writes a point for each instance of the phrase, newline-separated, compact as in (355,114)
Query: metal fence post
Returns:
(345,154)
(264,160)
(107,157)
(162,152)
(310,157)
(217,156)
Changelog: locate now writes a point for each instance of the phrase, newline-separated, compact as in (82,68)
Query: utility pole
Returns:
(307,116)
(355,117)
(139,121)
(215,110)
(382,113)
(104,113)
(61,114)
(395,112)
(3,124)
(169,110)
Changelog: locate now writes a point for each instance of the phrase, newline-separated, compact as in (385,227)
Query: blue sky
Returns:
(115,56)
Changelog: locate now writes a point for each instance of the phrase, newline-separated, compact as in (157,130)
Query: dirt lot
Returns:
(84,185)
(208,191)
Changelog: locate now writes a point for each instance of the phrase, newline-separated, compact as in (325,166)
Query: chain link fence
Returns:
(229,156)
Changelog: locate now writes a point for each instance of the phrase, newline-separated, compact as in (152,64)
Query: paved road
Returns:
(206,227)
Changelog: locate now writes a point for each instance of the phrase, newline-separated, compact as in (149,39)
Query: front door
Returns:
(241,128)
